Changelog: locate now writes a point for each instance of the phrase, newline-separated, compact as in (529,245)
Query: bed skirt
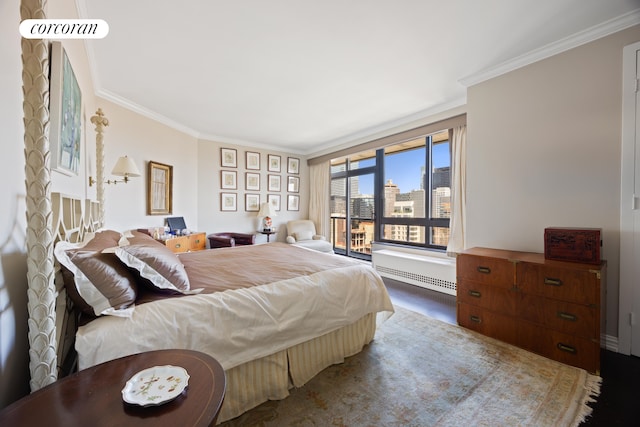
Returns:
(271,377)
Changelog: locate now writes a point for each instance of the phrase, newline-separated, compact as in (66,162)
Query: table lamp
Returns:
(266,212)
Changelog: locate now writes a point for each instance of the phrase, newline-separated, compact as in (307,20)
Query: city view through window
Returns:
(415,205)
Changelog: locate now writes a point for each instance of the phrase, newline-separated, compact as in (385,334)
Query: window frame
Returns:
(379,219)
(428,222)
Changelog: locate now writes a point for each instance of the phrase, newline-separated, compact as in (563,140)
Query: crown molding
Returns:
(594,33)
(424,117)
(125,103)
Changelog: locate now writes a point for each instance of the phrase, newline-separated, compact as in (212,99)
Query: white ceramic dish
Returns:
(155,386)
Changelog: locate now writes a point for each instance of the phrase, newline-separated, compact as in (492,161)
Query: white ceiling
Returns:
(306,75)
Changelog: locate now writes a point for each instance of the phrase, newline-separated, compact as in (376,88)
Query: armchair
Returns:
(230,239)
(302,232)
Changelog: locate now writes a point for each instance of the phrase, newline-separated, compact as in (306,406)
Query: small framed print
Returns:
(228,202)
(293,165)
(228,158)
(273,163)
(160,189)
(252,160)
(252,181)
(228,180)
(293,184)
(252,202)
(274,182)
(274,200)
(293,202)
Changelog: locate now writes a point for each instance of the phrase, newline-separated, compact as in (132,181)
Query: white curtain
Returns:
(319,195)
(458,179)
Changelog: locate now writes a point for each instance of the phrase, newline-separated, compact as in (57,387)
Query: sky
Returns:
(404,169)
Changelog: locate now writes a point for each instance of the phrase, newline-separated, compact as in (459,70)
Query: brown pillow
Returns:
(116,285)
(101,240)
(101,284)
(156,263)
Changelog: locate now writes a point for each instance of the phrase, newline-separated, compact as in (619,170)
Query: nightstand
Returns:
(189,243)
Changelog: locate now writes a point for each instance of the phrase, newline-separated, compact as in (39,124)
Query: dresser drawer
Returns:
(487,322)
(575,285)
(565,348)
(178,244)
(487,270)
(491,297)
(197,241)
(569,318)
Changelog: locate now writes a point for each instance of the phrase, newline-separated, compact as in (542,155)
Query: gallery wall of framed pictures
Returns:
(282,175)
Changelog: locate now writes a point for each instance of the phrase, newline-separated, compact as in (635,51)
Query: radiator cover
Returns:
(431,272)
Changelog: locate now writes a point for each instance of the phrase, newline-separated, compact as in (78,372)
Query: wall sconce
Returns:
(124,167)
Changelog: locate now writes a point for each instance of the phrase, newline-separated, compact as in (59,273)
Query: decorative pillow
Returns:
(100,284)
(156,263)
(114,287)
(303,235)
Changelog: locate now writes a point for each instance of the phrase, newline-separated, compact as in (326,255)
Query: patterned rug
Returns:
(419,371)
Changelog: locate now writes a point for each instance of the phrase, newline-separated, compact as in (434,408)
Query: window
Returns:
(416,192)
(408,182)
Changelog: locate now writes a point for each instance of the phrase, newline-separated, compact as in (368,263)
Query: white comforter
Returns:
(237,326)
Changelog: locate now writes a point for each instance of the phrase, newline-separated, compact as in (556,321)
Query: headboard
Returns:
(74,220)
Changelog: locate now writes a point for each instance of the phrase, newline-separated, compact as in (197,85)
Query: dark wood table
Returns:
(93,397)
(268,233)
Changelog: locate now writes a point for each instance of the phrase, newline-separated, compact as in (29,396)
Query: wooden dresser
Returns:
(553,308)
(189,243)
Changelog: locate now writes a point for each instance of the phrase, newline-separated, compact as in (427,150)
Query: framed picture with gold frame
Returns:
(159,189)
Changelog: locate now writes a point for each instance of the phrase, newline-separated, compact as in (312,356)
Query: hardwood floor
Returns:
(617,404)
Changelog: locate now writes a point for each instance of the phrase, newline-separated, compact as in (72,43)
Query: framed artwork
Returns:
(274,163)
(228,202)
(228,158)
(159,189)
(293,184)
(293,165)
(65,115)
(274,182)
(293,202)
(228,180)
(252,160)
(252,181)
(251,202)
(274,199)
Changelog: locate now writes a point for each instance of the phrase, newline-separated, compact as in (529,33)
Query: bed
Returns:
(273,315)
(53,217)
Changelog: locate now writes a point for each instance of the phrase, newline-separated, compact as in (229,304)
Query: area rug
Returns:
(419,371)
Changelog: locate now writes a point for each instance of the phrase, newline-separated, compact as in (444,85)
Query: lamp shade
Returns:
(125,167)
(266,209)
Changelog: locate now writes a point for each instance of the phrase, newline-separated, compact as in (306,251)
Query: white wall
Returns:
(144,140)
(544,146)
(213,220)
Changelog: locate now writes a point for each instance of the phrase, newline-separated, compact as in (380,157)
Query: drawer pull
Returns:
(475,319)
(476,294)
(177,246)
(197,241)
(484,270)
(567,316)
(567,348)
(552,282)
